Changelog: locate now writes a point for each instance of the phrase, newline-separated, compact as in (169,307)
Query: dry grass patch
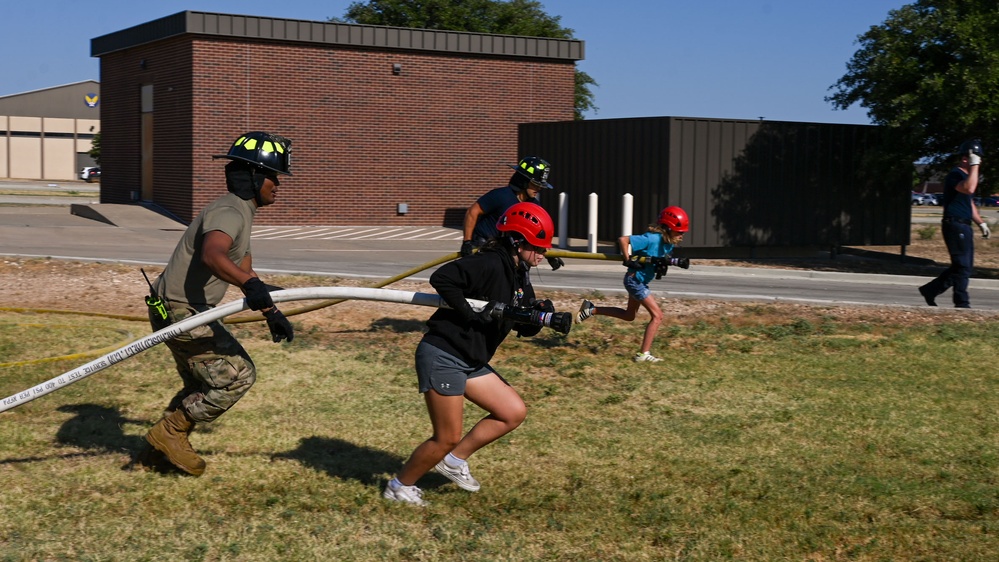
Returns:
(771,432)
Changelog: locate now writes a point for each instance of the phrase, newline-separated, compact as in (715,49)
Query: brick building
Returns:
(382,119)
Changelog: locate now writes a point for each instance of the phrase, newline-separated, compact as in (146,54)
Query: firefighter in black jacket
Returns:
(452,360)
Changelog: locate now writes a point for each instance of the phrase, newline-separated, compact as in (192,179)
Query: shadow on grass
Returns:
(344,460)
(397,325)
(394,325)
(97,428)
(94,428)
(549,341)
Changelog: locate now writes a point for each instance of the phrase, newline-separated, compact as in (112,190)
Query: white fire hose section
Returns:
(202,318)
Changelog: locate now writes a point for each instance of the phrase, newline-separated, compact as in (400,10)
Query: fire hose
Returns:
(324,304)
(559,321)
(428,265)
(259,317)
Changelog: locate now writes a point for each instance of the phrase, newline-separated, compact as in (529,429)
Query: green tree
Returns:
(513,17)
(930,74)
(95,148)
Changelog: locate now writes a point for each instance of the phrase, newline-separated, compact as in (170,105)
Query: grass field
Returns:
(771,432)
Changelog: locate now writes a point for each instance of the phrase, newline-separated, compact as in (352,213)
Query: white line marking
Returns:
(413,234)
(378,234)
(366,251)
(294,235)
(348,234)
(322,232)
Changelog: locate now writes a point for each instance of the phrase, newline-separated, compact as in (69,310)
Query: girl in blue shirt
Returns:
(658,242)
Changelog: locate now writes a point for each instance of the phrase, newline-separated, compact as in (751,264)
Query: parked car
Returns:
(919,198)
(90,174)
(934,199)
(990,201)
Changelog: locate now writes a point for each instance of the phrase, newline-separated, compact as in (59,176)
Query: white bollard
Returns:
(627,210)
(591,226)
(563,220)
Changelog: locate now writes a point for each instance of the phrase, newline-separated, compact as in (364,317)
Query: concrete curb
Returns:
(775,273)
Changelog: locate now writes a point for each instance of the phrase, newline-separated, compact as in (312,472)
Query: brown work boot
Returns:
(169,436)
(149,459)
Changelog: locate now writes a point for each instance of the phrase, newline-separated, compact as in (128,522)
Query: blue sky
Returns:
(728,59)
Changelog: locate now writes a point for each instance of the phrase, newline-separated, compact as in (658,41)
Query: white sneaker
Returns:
(586,310)
(646,357)
(406,494)
(459,476)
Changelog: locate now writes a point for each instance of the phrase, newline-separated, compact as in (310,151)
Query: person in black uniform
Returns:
(452,359)
(959,212)
(526,183)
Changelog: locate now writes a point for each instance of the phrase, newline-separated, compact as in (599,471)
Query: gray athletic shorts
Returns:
(445,373)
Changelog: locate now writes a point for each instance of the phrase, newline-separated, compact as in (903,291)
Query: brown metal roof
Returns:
(318,32)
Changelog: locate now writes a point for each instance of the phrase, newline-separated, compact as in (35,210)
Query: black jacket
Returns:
(489,275)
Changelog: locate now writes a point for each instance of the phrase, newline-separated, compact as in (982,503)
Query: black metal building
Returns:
(751,188)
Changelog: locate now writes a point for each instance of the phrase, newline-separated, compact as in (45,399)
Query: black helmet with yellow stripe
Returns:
(534,169)
(264,150)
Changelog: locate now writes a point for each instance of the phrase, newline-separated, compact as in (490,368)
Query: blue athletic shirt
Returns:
(651,245)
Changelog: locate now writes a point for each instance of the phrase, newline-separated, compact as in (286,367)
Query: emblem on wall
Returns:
(91,99)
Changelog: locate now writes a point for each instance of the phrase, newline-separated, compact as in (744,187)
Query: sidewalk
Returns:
(30,192)
(68,204)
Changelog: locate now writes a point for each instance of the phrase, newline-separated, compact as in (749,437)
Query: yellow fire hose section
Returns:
(258,317)
(82,355)
(78,312)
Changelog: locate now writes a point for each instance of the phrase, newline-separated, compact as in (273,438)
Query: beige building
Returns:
(46,134)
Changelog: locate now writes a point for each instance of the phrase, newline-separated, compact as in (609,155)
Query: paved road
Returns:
(55,193)
(381,253)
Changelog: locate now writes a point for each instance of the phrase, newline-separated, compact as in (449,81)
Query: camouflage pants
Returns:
(214,367)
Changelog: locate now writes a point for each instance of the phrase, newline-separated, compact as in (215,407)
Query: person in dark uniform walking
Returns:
(959,213)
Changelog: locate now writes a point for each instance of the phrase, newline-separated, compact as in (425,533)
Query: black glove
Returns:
(683,263)
(279,326)
(555,263)
(544,306)
(257,296)
(466,248)
(632,263)
(661,266)
(491,311)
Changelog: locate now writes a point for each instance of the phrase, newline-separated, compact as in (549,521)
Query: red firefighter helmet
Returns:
(529,220)
(675,219)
